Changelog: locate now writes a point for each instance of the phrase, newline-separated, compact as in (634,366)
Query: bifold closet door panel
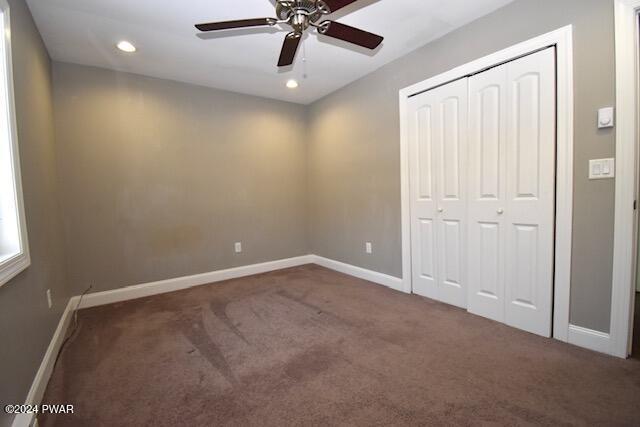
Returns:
(451,152)
(422,110)
(487,192)
(512,191)
(530,209)
(438,132)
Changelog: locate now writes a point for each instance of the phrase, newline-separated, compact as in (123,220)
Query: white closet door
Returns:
(512,192)
(438,129)
(487,192)
(531,148)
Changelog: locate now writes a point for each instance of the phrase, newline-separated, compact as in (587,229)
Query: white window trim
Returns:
(562,39)
(14,265)
(622,297)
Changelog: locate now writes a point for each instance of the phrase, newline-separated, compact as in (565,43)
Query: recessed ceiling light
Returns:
(292,84)
(126,46)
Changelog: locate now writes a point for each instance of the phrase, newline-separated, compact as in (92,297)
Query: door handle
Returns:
(500,211)
(440,210)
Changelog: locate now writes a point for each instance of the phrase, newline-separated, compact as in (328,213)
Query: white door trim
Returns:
(626,32)
(562,39)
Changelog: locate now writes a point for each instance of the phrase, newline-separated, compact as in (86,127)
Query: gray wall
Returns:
(354,160)
(161,178)
(26,323)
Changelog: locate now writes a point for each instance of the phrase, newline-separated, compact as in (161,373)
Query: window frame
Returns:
(17,263)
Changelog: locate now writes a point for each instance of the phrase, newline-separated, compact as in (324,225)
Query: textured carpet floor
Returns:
(308,346)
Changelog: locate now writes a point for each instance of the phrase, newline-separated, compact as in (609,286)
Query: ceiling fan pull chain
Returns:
(304,59)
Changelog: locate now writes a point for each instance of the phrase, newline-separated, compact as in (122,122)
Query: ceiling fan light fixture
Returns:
(126,46)
(292,84)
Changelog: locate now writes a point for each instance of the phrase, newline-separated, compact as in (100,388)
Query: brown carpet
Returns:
(308,346)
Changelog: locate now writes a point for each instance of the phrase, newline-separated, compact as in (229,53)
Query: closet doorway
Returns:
(487,187)
(482,179)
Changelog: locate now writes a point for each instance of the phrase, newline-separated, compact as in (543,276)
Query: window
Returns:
(14,251)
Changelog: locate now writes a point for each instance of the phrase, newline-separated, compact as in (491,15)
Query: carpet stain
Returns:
(530,415)
(193,328)
(315,310)
(309,364)
(219,309)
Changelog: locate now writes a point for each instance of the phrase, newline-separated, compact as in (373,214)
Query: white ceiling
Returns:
(85,32)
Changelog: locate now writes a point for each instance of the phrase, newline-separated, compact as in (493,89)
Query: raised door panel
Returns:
(424,153)
(525,119)
(524,264)
(489,254)
(488,141)
(450,140)
(451,253)
(426,262)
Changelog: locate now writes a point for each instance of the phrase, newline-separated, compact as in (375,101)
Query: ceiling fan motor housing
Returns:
(300,13)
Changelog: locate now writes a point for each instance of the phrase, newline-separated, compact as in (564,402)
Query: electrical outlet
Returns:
(49,298)
(238,247)
(368,248)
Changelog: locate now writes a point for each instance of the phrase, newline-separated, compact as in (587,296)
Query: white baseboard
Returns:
(588,338)
(39,385)
(179,283)
(361,273)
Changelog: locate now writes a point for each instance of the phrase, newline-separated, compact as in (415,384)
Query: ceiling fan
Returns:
(300,15)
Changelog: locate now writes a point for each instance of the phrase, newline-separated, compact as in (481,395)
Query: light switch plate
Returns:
(605,118)
(238,247)
(602,169)
(368,248)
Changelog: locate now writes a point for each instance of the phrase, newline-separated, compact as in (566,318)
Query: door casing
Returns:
(625,235)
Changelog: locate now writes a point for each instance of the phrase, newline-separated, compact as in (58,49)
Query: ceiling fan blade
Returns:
(289,49)
(241,23)
(350,34)
(334,5)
